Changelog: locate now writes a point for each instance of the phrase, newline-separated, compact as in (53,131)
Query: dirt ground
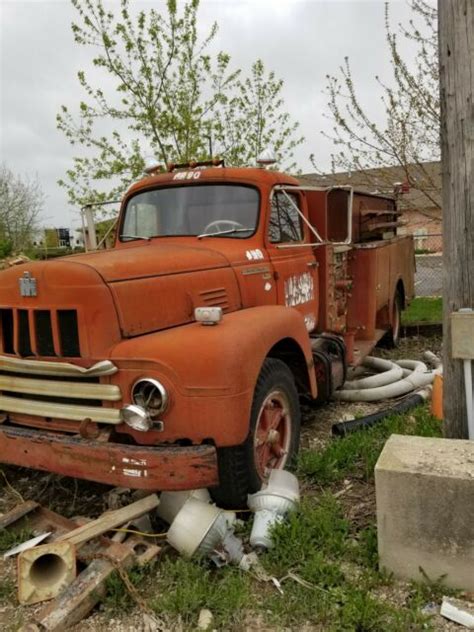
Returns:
(71,498)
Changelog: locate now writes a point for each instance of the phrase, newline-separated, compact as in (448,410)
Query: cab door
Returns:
(292,255)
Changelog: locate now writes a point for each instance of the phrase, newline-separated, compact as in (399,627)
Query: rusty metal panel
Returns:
(384,263)
(168,301)
(137,467)
(362,299)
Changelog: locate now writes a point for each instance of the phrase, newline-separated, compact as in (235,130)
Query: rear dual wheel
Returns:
(272,441)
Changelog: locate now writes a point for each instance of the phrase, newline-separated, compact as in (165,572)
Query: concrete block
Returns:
(425,509)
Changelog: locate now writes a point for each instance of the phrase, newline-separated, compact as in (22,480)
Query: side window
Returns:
(285,223)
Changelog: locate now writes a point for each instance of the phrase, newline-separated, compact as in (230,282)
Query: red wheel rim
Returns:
(272,434)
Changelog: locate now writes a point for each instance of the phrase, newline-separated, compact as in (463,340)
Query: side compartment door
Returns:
(292,257)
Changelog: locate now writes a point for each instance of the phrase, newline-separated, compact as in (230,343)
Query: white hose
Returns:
(390,373)
(412,375)
(432,359)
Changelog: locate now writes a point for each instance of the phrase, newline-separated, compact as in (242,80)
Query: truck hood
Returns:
(149,259)
(157,286)
(126,292)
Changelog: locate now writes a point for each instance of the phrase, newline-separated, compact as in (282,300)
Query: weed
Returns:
(185,587)
(10,538)
(317,528)
(428,591)
(359,610)
(7,589)
(118,596)
(366,552)
(359,452)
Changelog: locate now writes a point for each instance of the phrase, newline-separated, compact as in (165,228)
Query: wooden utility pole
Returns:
(456,49)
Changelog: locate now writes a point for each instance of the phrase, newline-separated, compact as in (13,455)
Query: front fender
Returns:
(211,371)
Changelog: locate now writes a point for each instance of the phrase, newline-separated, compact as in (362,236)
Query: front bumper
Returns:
(136,467)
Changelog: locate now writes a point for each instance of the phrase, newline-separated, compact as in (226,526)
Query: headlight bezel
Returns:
(140,397)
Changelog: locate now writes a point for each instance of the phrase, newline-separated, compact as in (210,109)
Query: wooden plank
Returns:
(111,520)
(17,512)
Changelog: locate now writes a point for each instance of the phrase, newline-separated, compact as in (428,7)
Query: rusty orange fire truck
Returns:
(176,360)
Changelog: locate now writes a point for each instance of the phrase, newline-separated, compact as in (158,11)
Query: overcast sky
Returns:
(301,40)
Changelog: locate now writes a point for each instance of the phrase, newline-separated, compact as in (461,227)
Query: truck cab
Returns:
(176,359)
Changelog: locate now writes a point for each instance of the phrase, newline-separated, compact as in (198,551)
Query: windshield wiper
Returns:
(225,232)
(135,237)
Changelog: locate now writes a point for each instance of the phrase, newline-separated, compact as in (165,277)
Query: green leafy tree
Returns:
(254,119)
(409,136)
(21,204)
(164,95)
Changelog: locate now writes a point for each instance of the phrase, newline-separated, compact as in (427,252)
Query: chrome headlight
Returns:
(151,396)
(136,417)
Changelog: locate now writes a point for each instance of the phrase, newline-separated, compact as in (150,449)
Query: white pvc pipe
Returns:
(469,398)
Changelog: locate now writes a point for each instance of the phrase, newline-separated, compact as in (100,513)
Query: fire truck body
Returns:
(105,373)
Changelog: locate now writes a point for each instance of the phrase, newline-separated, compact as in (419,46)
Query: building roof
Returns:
(424,181)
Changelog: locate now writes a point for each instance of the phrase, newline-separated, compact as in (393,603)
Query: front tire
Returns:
(273,438)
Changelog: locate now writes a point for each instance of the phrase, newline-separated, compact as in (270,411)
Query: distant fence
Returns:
(427,243)
(429,264)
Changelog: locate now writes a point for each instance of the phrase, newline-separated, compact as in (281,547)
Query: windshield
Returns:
(200,210)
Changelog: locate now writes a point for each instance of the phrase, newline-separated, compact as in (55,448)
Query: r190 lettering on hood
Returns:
(299,289)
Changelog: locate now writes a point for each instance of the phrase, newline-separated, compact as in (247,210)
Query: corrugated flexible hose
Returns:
(395,378)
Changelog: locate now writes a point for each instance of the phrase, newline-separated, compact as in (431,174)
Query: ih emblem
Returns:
(27,284)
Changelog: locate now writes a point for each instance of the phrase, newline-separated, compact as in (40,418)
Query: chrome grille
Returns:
(58,390)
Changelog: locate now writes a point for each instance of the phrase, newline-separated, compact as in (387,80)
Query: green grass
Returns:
(326,563)
(357,453)
(7,590)
(10,538)
(424,309)
(186,587)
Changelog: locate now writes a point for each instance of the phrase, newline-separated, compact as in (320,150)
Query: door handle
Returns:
(313,264)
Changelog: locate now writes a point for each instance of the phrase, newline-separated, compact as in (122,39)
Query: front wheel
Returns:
(272,442)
